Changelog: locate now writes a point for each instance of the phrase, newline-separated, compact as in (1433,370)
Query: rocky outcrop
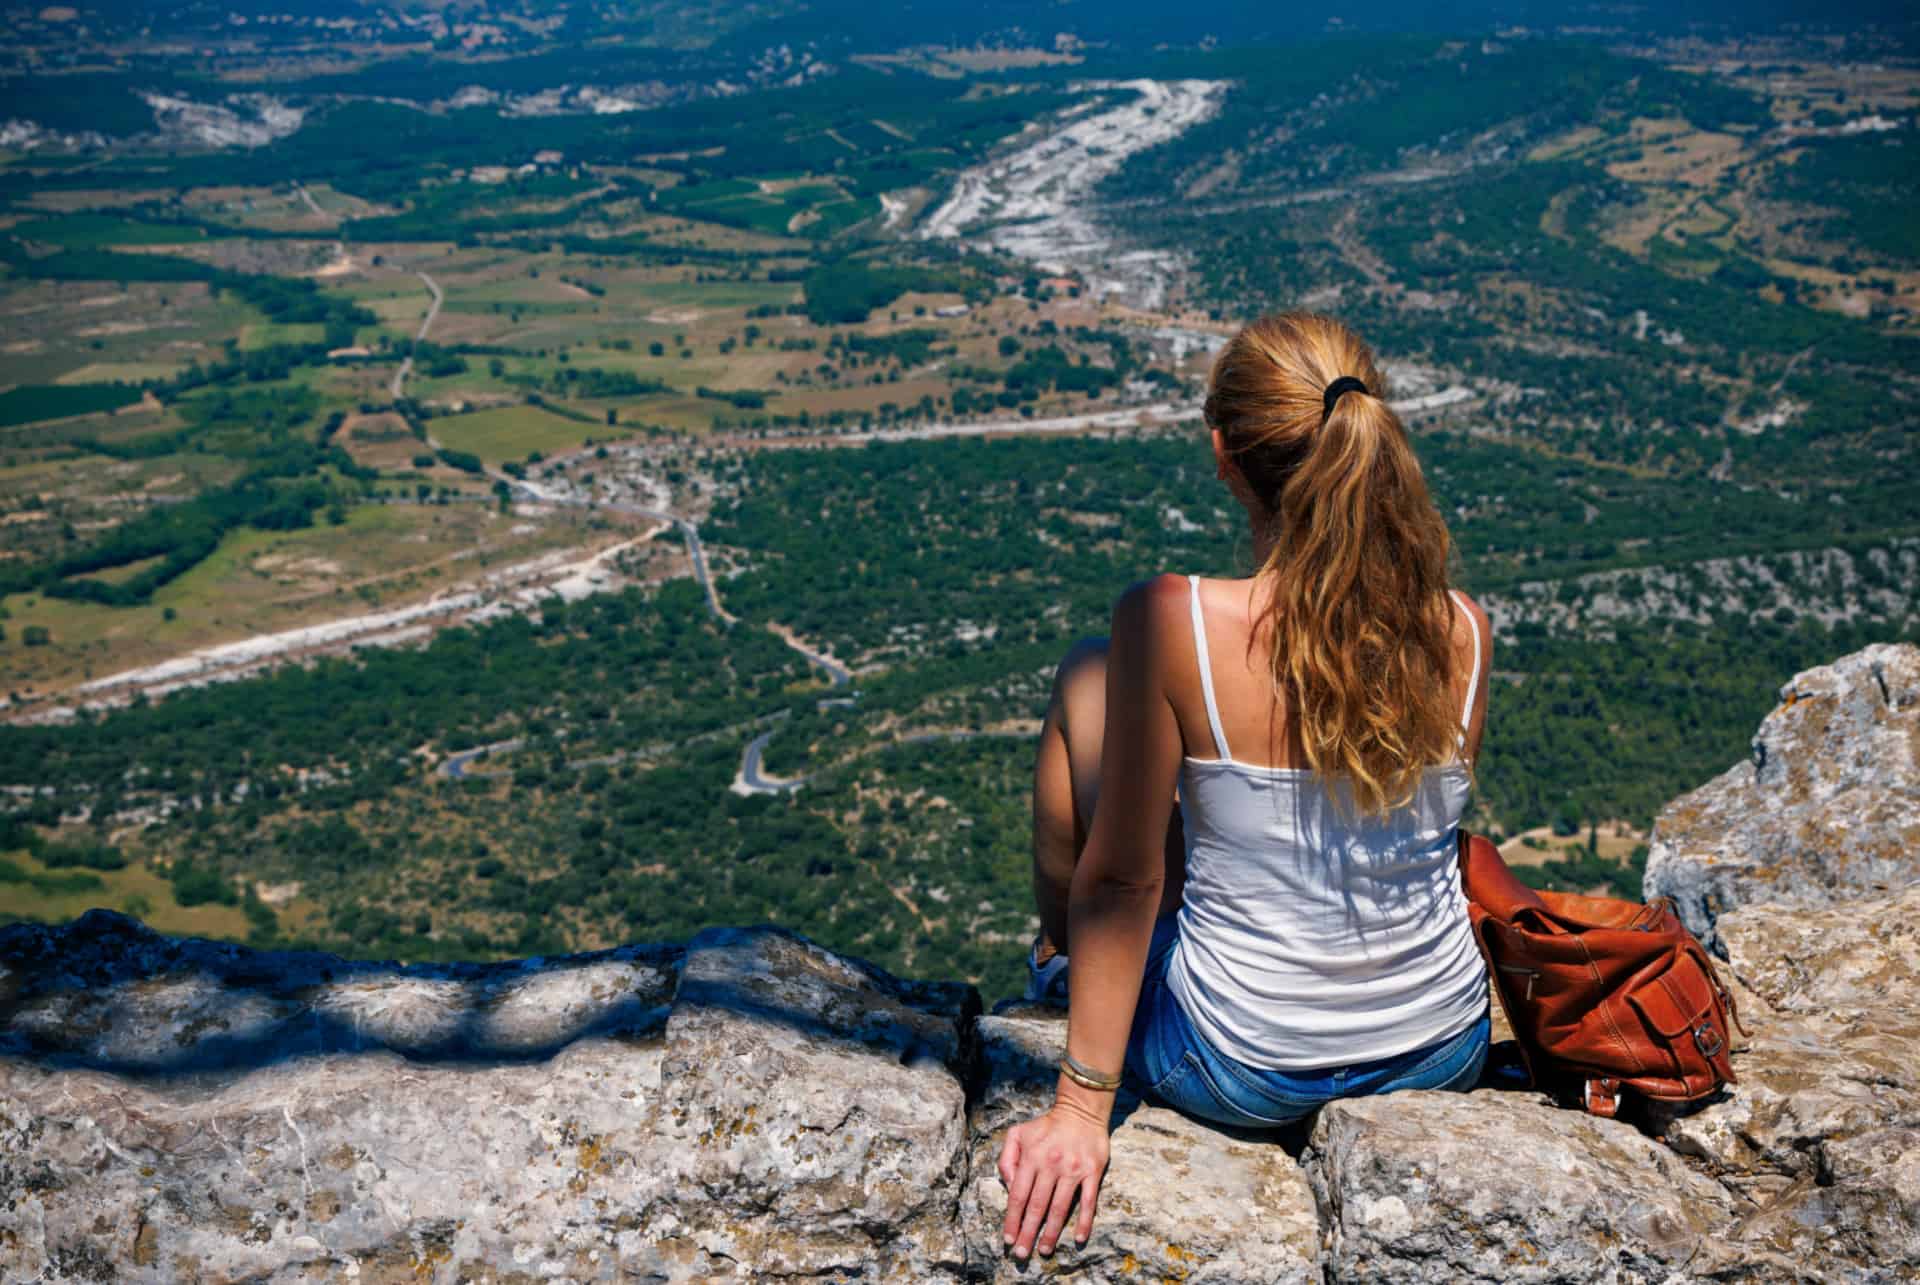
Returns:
(1822,1135)
(754,1107)
(1434,1187)
(1828,808)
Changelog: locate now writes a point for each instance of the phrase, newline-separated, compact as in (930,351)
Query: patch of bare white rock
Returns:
(1832,586)
(753,1107)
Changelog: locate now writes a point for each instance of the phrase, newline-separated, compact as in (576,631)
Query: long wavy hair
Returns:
(1357,561)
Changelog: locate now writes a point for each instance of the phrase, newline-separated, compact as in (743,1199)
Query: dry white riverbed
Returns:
(1037,202)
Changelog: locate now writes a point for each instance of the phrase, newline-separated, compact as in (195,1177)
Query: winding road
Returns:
(426,323)
(696,552)
(455,766)
(752,777)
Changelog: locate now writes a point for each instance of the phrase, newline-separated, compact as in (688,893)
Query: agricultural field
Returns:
(380,556)
(511,432)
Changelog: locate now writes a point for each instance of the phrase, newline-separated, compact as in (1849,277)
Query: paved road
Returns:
(1123,417)
(837,674)
(695,551)
(426,324)
(1154,415)
(752,780)
(455,767)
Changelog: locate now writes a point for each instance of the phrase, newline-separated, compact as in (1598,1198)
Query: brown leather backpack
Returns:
(1603,995)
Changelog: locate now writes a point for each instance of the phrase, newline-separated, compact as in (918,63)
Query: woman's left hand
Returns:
(1045,1163)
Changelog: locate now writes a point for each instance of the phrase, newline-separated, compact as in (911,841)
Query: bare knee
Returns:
(1082,672)
(1079,707)
(1066,781)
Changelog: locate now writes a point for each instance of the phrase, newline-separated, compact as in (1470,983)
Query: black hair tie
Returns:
(1344,384)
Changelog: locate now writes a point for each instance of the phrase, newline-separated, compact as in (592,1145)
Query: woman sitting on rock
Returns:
(1295,931)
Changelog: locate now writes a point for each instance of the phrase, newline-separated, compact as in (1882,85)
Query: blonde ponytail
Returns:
(1357,563)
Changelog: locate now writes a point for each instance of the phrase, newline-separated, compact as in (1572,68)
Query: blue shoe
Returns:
(1046,983)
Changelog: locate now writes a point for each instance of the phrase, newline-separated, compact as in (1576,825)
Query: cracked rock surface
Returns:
(753,1107)
(1827,809)
(1181,1200)
(1822,1136)
(1501,1187)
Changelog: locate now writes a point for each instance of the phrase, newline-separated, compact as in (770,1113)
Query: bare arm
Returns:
(1118,882)
(1050,1160)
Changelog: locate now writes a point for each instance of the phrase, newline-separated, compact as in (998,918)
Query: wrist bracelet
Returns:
(1086,1077)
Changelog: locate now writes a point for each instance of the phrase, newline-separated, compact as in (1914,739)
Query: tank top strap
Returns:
(1473,675)
(1206,670)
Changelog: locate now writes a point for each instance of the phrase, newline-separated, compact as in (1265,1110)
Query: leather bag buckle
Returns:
(1707,1040)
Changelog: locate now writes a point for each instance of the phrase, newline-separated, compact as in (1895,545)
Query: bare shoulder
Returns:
(1149,608)
(1482,623)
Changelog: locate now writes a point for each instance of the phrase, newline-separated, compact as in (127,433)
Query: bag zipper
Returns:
(1528,973)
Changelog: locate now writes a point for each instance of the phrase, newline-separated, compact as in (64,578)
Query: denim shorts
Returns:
(1171,1062)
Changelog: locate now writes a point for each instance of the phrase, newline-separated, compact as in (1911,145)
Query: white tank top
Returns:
(1310,937)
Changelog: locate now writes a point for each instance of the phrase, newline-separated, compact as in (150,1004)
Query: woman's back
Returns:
(1312,933)
(1239,643)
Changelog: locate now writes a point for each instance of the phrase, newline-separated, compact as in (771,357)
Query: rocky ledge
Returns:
(752,1106)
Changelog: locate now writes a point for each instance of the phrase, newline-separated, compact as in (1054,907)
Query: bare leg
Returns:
(1066,787)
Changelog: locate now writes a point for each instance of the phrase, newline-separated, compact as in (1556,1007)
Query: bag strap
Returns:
(1477,917)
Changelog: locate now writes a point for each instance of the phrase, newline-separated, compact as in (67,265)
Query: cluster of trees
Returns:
(738,398)
(591,382)
(1050,368)
(27,403)
(909,348)
(846,291)
(1868,180)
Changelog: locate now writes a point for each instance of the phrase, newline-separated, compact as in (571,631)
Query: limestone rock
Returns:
(813,1116)
(1828,809)
(177,1111)
(190,1111)
(1822,1134)
(106,993)
(1444,1187)
(1181,1200)
(1858,956)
